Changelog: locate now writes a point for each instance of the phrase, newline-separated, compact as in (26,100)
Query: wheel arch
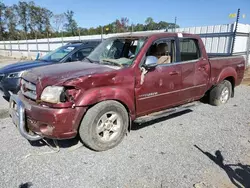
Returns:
(231,79)
(228,74)
(93,97)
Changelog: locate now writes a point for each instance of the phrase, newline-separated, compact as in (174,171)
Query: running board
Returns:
(167,112)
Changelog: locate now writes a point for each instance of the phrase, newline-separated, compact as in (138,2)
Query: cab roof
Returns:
(151,34)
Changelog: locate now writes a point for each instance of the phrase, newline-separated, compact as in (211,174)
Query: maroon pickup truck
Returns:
(125,78)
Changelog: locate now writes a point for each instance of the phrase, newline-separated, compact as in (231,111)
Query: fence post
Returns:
(4,47)
(247,50)
(212,41)
(48,45)
(205,41)
(18,46)
(10,48)
(37,48)
(217,47)
(48,41)
(28,47)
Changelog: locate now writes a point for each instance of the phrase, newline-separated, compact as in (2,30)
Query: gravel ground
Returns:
(155,154)
(7,60)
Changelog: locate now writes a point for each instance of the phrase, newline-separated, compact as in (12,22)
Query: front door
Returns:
(158,88)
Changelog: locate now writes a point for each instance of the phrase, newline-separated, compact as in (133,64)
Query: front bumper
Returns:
(17,112)
(35,121)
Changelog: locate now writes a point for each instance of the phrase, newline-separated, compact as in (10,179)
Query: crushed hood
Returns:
(59,73)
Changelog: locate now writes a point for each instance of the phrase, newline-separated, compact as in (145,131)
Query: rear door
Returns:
(195,69)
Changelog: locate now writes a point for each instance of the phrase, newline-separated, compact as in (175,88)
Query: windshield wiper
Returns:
(91,61)
(109,62)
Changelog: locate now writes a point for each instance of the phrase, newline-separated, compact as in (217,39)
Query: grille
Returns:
(28,89)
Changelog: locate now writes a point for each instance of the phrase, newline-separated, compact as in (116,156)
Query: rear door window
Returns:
(189,49)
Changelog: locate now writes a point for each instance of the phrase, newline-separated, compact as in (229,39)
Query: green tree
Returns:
(149,20)
(122,24)
(11,22)
(139,27)
(46,17)
(83,31)
(39,21)
(2,20)
(92,31)
(172,26)
(58,22)
(162,25)
(26,20)
(150,24)
(23,14)
(71,25)
(34,19)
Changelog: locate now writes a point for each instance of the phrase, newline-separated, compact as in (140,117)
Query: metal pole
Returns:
(102,33)
(235,31)
(79,32)
(248,49)
(175,20)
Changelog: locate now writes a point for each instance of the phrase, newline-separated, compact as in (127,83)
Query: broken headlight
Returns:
(52,94)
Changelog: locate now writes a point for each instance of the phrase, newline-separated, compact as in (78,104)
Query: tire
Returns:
(104,125)
(221,93)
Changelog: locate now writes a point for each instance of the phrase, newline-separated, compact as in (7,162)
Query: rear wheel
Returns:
(221,93)
(104,125)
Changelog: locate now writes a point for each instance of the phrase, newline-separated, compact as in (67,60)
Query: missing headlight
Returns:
(64,96)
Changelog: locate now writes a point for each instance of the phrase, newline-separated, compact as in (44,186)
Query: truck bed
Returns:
(219,65)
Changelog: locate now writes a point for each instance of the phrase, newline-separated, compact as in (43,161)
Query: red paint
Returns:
(168,85)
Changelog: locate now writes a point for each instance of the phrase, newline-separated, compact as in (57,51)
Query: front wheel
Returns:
(104,125)
(221,93)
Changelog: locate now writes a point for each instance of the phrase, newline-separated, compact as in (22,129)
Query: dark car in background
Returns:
(75,51)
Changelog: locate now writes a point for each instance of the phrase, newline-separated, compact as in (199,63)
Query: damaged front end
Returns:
(52,114)
(59,96)
(17,112)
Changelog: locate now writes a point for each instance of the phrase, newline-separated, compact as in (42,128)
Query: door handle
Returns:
(173,73)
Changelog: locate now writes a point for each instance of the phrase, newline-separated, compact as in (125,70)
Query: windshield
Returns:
(121,51)
(58,54)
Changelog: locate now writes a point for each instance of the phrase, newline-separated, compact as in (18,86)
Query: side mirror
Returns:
(151,62)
